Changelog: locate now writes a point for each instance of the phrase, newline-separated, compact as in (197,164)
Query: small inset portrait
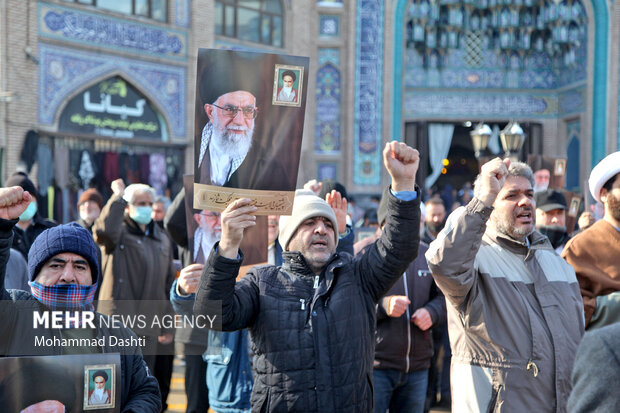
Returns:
(559,169)
(573,209)
(287,84)
(99,386)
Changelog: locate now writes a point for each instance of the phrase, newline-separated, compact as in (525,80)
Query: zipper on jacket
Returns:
(316,282)
(408,325)
(303,303)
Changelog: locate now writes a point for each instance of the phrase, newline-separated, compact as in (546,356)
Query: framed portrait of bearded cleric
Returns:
(204,229)
(247,144)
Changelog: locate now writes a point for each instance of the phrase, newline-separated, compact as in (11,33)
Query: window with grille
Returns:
(473,49)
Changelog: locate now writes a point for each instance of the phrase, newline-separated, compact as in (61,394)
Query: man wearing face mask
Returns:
(30,224)
(63,275)
(551,217)
(136,255)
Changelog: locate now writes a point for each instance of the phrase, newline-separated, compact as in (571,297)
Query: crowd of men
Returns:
(500,283)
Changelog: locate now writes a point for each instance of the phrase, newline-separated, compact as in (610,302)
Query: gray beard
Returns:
(508,229)
(231,143)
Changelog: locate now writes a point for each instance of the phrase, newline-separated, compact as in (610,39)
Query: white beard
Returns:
(236,145)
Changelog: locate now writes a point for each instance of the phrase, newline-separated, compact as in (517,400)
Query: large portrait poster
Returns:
(248,131)
(71,383)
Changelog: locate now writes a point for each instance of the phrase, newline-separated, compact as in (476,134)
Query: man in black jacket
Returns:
(312,320)
(30,223)
(63,270)
(404,345)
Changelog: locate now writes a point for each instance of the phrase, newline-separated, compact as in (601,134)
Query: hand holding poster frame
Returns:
(249,123)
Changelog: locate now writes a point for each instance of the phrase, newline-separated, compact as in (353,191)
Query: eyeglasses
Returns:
(210,215)
(230,111)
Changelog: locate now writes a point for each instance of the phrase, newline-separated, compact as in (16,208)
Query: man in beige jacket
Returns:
(515,315)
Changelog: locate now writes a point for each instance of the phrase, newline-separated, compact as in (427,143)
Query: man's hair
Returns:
(610,182)
(517,169)
(289,73)
(162,199)
(130,192)
(100,373)
(435,201)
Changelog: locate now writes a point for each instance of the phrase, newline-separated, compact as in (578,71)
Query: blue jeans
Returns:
(399,391)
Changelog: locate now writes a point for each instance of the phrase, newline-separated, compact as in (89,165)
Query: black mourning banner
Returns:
(111,108)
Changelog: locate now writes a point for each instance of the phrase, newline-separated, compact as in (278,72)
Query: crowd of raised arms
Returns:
(501,295)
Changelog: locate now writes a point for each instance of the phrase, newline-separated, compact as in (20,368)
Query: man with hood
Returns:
(64,273)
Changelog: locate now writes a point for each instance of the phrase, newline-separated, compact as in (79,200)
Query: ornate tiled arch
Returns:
(600,24)
(63,72)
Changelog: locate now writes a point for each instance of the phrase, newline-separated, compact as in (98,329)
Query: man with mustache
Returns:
(595,252)
(514,308)
(227,137)
(312,319)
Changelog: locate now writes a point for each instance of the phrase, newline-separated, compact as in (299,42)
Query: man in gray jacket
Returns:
(515,315)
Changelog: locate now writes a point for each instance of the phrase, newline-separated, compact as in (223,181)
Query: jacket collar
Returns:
(536,241)
(134,228)
(294,262)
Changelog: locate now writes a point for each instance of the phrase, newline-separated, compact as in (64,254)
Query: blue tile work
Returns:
(573,137)
(572,101)
(535,70)
(329,55)
(368,92)
(485,105)
(95,29)
(328,102)
(329,25)
(181,13)
(326,170)
(63,72)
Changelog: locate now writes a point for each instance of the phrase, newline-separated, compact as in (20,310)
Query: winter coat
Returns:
(515,316)
(135,266)
(400,344)
(22,240)
(595,256)
(313,335)
(139,390)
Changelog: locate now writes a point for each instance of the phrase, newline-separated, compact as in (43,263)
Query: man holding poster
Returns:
(312,320)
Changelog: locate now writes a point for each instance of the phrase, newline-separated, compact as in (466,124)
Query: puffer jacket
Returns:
(401,345)
(515,316)
(314,347)
(139,390)
(136,266)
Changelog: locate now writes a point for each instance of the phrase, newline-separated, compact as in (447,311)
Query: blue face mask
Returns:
(142,214)
(29,212)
